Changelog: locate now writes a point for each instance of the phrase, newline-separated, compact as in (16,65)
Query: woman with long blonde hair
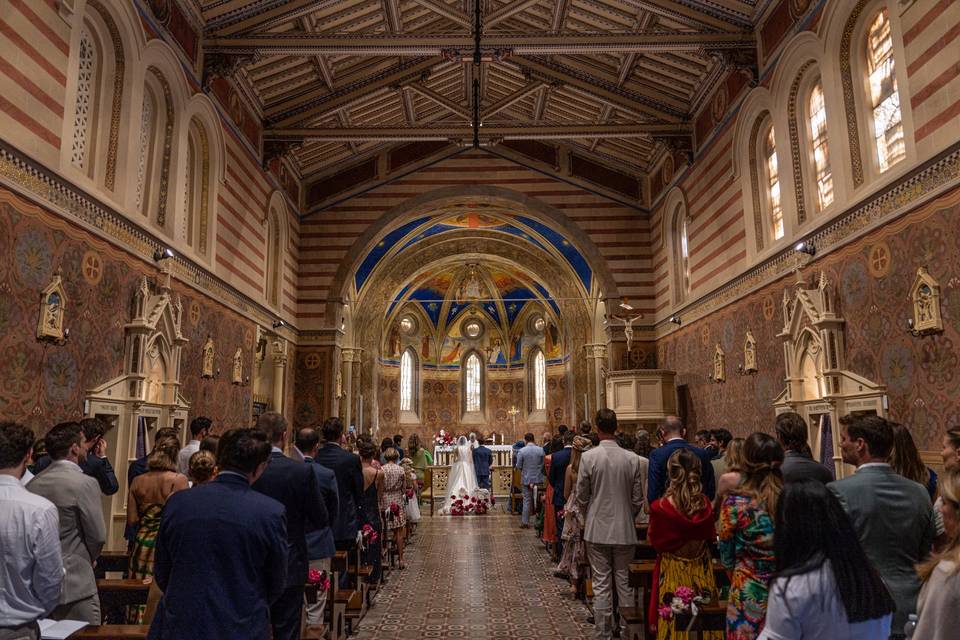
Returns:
(733,476)
(573,561)
(681,530)
(939,604)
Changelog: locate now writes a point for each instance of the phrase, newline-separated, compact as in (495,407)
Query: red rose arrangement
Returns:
(369,534)
(410,494)
(319,579)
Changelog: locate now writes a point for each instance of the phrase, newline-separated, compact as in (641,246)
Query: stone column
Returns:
(348,356)
(279,373)
(596,353)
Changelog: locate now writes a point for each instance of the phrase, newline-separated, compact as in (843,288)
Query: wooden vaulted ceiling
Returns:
(342,79)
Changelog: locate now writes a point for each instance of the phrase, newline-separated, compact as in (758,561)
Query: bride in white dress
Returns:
(462,474)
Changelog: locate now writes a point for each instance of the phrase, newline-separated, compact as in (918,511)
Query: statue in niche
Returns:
(786,308)
(52,310)
(719,364)
(925,294)
(238,366)
(206,370)
(750,352)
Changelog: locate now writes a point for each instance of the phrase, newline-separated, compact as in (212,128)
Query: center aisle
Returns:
(475,577)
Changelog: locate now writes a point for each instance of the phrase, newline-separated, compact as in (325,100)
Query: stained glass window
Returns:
(540,381)
(85,111)
(773,184)
(884,97)
(473,383)
(406,381)
(821,151)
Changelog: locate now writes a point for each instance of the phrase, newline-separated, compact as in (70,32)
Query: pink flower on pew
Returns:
(685,594)
(665,612)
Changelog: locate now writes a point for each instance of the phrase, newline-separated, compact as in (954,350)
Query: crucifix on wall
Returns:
(513,415)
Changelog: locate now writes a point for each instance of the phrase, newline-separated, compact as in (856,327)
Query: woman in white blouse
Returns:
(939,604)
(825,586)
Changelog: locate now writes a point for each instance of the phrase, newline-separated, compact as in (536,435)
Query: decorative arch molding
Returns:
(201,118)
(797,142)
(676,200)
(757,106)
(276,236)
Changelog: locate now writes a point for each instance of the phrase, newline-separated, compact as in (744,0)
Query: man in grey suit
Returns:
(530,463)
(610,491)
(892,515)
(82,530)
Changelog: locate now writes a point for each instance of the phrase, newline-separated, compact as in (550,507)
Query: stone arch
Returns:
(276,241)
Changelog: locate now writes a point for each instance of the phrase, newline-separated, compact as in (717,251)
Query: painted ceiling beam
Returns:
(495,132)
(444,102)
(262,16)
(689,16)
(448,12)
(307,44)
(513,98)
(510,9)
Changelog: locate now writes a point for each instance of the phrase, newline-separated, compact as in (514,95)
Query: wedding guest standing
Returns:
(82,530)
(673,435)
(395,486)
(370,505)
(199,429)
(905,459)
(346,466)
(203,467)
(798,462)
(31,569)
(745,530)
(733,477)
(530,462)
(825,586)
(939,603)
(556,476)
(320,545)
(681,530)
(94,462)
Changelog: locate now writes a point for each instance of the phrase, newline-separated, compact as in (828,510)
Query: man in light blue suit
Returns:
(530,463)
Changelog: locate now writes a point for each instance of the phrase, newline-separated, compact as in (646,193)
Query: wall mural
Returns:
(42,384)
(874,277)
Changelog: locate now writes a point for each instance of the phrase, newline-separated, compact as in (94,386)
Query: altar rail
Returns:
(502,455)
(435,481)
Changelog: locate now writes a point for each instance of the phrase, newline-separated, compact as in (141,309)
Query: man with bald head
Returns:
(673,436)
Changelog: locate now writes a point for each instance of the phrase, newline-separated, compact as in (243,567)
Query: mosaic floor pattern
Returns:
(475,577)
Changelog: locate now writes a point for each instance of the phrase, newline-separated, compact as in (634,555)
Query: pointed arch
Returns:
(276,248)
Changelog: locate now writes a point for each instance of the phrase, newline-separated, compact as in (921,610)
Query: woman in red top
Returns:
(681,530)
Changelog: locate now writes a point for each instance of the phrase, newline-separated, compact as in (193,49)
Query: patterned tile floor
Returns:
(475,577)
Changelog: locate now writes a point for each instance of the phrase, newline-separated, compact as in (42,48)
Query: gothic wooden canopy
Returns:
(616,80)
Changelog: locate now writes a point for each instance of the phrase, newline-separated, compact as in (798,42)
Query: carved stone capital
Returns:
(225,66)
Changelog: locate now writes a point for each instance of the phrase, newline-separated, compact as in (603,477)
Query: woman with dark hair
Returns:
(825,586)
(939,605)
(681,528)
(370,507)
(644,447)
(906,460)
(745,529)
(798,462)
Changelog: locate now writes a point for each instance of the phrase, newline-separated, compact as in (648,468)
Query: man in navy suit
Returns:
(296,487)
(221,555)
(673,435)
(320,547)
(559,461)
(346,467)
(482,461)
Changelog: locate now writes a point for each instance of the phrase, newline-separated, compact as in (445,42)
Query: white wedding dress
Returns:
(462,474)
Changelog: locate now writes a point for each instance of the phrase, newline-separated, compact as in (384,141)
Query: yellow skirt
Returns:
(696,573)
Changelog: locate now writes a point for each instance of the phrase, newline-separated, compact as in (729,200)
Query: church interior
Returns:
(489,216)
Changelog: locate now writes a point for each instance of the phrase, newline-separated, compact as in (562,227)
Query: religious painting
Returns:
(551,339)
(451,351)
(496,355)
(426,354)
(393,343)
(238,366)
(52,310)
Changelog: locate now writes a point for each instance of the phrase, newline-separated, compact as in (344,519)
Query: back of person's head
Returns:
(210,444)
(562,430)
(39,449)
(762,457)
(585,428)
(274,425)
(528,437)
(950,494)
(163,457)
(733,456)
(556,443)
(951,447)
(628,442)
(580,444)
(367,449)
(546,438)
(413,443)
(61,438)
(203,466)
(165,433)
(200,425)
(16,441)
(332,429)
(810,528)
(307,440)
(92,428)
(242,450)
(391,455)
(904,458)
(673,426)
(791,430)
(397,439)
(643,446)
(568,437)
(722,436)
(702,437)
(386,443)
(684,484)
(606,421)
(876,433)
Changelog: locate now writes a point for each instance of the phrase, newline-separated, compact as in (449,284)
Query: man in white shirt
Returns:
(31,570)
(199,429)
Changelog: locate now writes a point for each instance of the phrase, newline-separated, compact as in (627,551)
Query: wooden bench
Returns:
(641,578)
(117,595)
(117,560)
(712,617)
(113,632)
(633,618)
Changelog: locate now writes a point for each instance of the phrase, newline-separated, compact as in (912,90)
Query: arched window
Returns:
(681,252)
(144,153)
(408,380)
(197,192)
(817,112)
(539,381)
(273,258)
(156,140)
(86,111)
(884,97)
(772,184)
(473,383)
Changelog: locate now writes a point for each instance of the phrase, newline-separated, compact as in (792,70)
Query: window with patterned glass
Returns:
(85,111)
(539,381)
(884,96)
(143,157)
(472,383)
(821,152)
(406,381)
(774,201)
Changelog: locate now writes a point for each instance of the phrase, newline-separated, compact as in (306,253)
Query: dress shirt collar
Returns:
(231,476)
(867,465)
(193,442)
(676,438)
(276,450)
(8,480)
(609,443)
(67,464)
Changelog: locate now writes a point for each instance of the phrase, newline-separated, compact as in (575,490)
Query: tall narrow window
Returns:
(472,383)
(774,201)
(821,151)
(884,97)
(143,157)
(273,258)
(406,381)
(85,113)
(539,381)
(684,247)
(189,194)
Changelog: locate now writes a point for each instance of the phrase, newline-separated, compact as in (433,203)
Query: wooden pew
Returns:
(641,578)
(712,617)
(116,560)
(116,595)
(113,632)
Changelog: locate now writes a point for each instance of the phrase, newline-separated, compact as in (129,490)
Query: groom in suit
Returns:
(482,461)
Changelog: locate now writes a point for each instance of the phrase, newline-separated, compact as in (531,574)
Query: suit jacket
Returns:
(99,469)
(82,530)
(559,461)
(295,486)
(894,519)
(482,460)
(530,463)
(657,480)
(797,467)
(610,493)
(346,467)
(221,559)
(320,543)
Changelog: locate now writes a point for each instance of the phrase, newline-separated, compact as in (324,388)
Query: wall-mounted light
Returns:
(162,253)
(675,320)
(626,305)
(911,329)
(806,247)
(711,378)
(277,324)
(746,372)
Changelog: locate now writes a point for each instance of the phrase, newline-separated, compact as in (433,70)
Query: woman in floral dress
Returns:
(395,485)
(745,529)
(574,561)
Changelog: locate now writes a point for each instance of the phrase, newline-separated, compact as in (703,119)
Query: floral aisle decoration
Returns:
(317,582)
(367,536)
(443,439)
(464,504)
(683,601)
(392,512)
